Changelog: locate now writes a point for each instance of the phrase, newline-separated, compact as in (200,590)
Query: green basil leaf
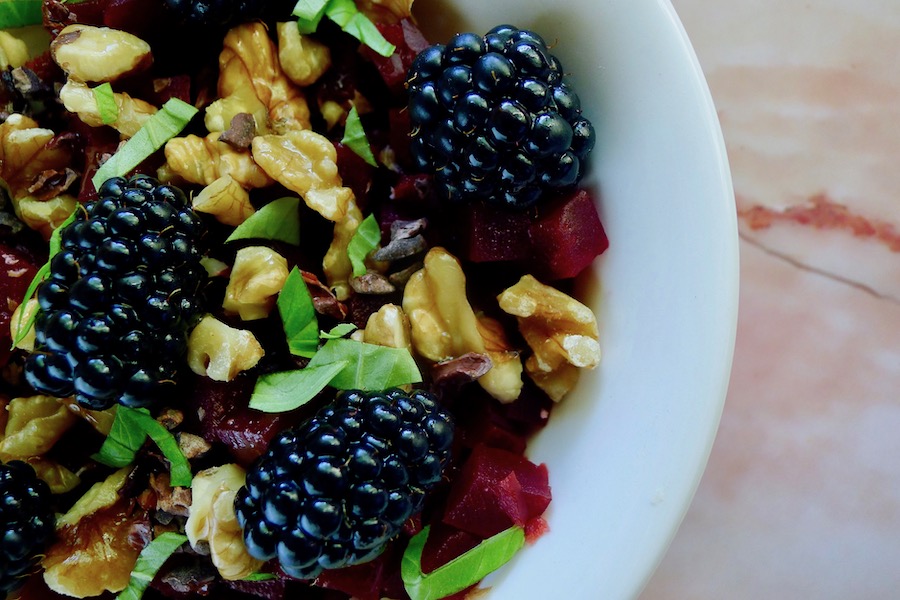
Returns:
(56,236)
(160,128)
(278,220)
(287,390)
(338,331)
(298,315)
(20,13)
(106,103)
(348,17)
(149,562)
(309,13)
(130,429)
(461,572)
(368,366)
(355,138)
(365,239)
(253,577)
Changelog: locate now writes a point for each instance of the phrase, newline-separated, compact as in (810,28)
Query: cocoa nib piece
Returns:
(241,132)
(401,230)
(50,183)
(324,301)
(188,576)
(458,371)
(372,283)
(174,501)
(401,248)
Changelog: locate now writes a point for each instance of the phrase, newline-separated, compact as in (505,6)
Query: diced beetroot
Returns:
(272,589)
(531,410)
(16,273)
(59,13)
(567,236)
(366,581)
(398,136)
(496,489)
(355,172)
(489,426)
(535,528)
(409,41)
(138,17)
(494,234)
(411,190)
(444,544)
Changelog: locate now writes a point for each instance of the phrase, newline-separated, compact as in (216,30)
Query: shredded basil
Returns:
(55,244)
(369,366)
(309,13)
(149,562)
(106,103)
(355,138)
(130,429)
(365,239)
(20,13)
(160,128)
(351,20)
(461,572)
(281,392)
(278,220)
(338,331)
(254,577)
(298,315)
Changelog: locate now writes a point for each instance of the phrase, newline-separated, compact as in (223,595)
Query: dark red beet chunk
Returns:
(494,234)
(409,41)
(567,236)
(495,490)
(16,273)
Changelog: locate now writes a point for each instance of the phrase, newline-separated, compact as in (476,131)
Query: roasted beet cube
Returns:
(409,41)
(495,234)
(566,237)
(495,490)
(17,272)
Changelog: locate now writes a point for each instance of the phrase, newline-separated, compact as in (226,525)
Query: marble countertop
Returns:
(801,497)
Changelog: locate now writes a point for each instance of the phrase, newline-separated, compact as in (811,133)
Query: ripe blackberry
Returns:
(493,120)
(224,13)
(333,491)
(121,296)
(26,523)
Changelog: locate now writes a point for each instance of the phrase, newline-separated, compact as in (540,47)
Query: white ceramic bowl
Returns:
(626,450)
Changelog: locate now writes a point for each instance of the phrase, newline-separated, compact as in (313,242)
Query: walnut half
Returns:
(221,352)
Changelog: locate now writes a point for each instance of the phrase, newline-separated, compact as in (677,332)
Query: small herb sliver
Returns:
(365,239)
(21,329)
(355,138)
(106,103)
(338,331)
(343,12)
(298,314)
(287,390)
(160,128)
(278,220)
(20,13)
(130,429)
(461,572)
(309,13)
(149,562)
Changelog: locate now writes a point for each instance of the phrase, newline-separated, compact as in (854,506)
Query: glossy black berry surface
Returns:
(493,120)
(332,492)
(121,297)
(26,523)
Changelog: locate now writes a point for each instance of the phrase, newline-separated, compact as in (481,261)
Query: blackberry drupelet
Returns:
(333,491)
(121,297)
(26,523)
(493,120)
(225,13)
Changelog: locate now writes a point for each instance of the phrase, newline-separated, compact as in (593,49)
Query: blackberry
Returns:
(121,297)
(493,120)
(333,491)
(26,523)
(224,13)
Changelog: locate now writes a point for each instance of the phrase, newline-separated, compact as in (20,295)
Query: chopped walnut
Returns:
(302,58)
(561,332)
(305,162)
(220,352)
(336,263)
(20,318)
(212,520)
(172,500)
(101,420)
(60,479)
(45,216)
(226,200)
(192,446)
(101,495)
(132,112)
(203,160)
(34,425)
(444,326)
(13,51)
(257,276)
(89,53)
(248,68)
(388,327)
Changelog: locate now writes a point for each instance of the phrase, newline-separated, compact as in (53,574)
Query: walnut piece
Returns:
(336,263)
(13,51)
(221,352)
(444,326)
(249,64)
(44,216)
(388,327)
(60,479)
(302,58)
(132,112)
(34,425)
(305,162)
(20,318)
(89,53)
(212,520)
(203,160)
(226,200)
(561,332)
(257,276)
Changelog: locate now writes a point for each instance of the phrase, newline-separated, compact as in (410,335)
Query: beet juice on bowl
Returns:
(289,289)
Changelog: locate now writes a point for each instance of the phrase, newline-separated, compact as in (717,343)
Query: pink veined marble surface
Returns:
(801,497)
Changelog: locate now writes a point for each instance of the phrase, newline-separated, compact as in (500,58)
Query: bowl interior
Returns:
(626,450)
